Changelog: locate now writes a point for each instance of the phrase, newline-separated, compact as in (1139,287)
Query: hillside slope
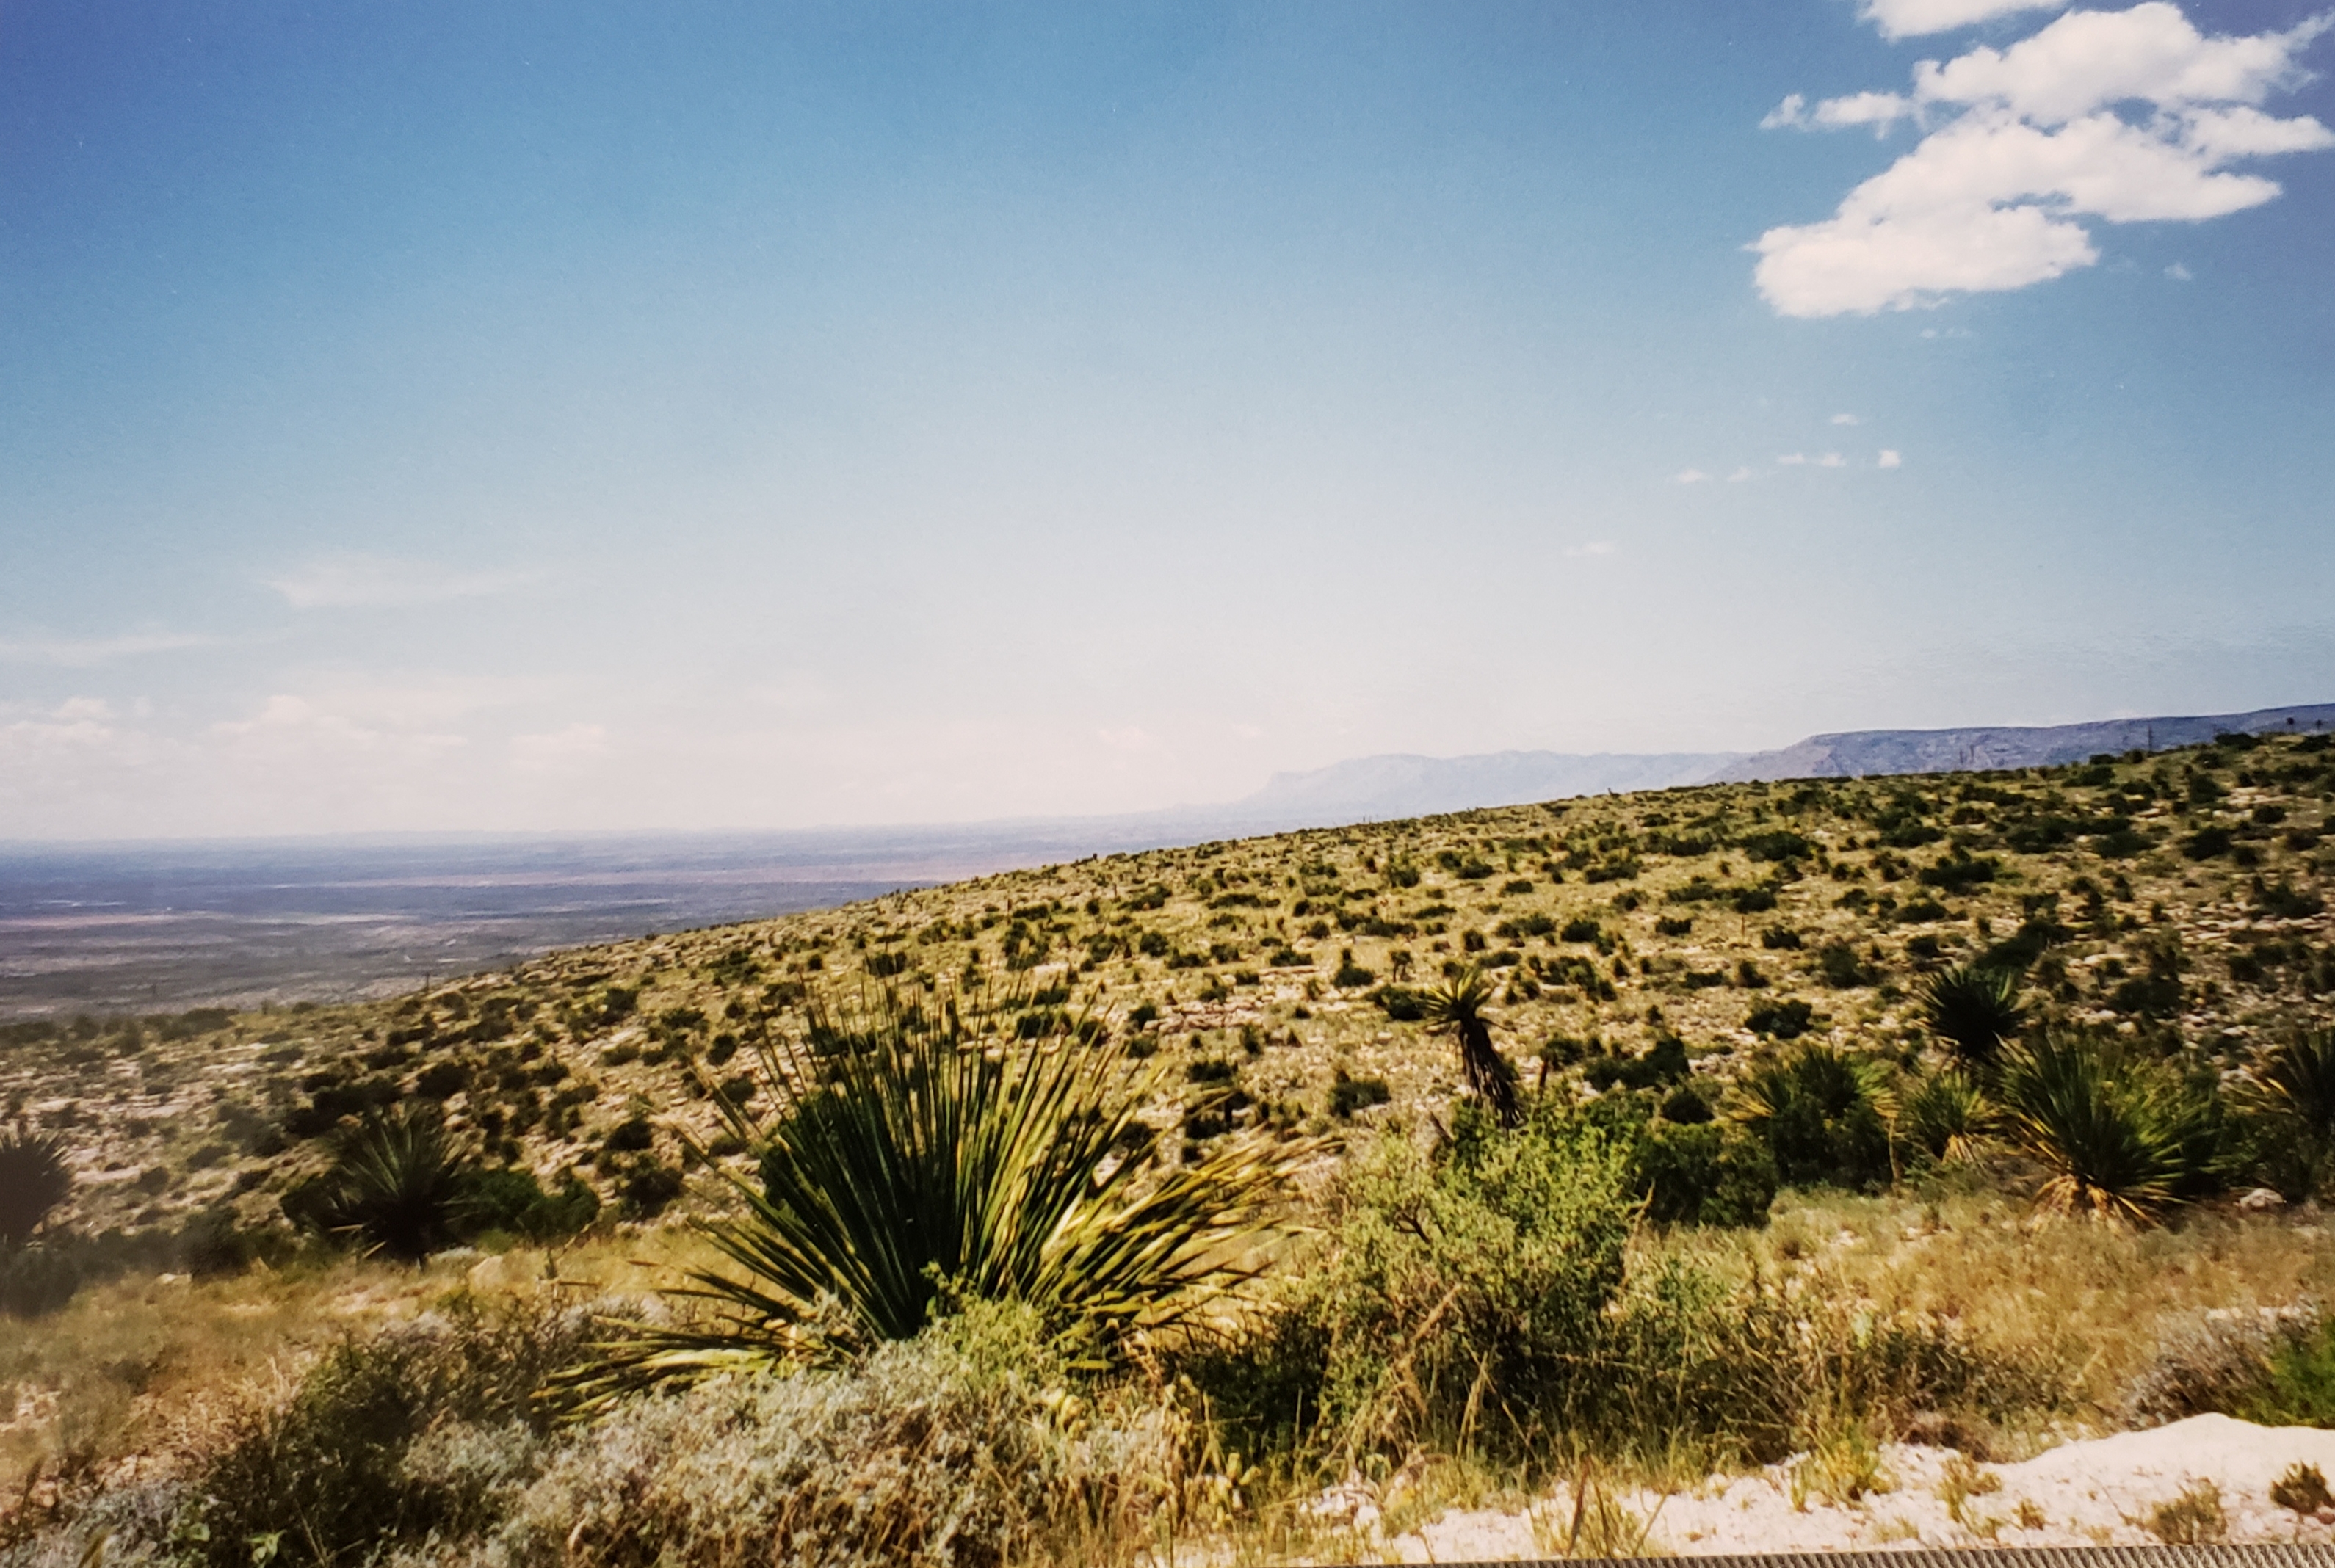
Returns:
(2176,899)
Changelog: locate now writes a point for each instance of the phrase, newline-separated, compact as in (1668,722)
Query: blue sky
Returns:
(557,416)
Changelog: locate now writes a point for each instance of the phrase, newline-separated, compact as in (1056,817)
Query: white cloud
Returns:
(1739,475)
(1791,460)
(2178,273)
(1832,460)
(362,581)
(1597,548)
(1879,109)
(1846,419)
(1911,18)
(1690,477)
(1890,457)
(2032,140)
(82,652)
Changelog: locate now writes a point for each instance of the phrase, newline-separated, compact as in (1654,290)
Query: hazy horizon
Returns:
(550,420)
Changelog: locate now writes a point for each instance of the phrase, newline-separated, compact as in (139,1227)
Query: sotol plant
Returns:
(1974,1012)
(33,1180)
(2296,1097)
(2116,1137)
(911,1165)
(399,1184)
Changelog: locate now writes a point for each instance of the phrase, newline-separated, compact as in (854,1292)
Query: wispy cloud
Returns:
(2024,143)
(1912,18)
(1690,477)
(1890,457)
(364,581)
(80,652)
(1846,419)
(1596,548)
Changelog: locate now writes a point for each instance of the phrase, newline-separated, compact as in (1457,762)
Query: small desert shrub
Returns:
(975,1443)
(1489,1265)
(513,1201)
(1348,1094)
(2297,1386)
(2213,1361)
(1703,1174)
(37,1279)
(2302,1489)
(398,1439)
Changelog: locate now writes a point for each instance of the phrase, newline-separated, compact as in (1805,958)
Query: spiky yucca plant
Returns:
(33,1180)
(1457,1007)
(1974,1011)
(910,1164)
(2295,1095)
(399,1183)
(1948,1116)
(1825,1114)
(2116,1135)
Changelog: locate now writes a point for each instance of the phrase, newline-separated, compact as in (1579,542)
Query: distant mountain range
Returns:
(1403,785)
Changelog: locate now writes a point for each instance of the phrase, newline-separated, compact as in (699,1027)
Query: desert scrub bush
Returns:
(2120,1139)
(2217,1360)
(418,1433)
(1703,1174)
(915,1164)
(975,1442)
(1464,1294)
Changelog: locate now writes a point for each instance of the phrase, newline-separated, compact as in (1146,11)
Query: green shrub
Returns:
(37,1279)
(409,1435)
(513,1201)
(1704,1174)
(1841,967)
(1495,1259)
(1348,1094)
(1400,1004)
(1781,1020)
(2297,1386)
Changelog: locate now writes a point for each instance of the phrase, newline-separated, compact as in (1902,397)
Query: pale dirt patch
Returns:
(2097,1492)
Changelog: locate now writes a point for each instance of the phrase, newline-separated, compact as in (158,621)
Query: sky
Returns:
(425,416)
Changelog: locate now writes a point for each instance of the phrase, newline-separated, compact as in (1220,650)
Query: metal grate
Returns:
(2295,1555)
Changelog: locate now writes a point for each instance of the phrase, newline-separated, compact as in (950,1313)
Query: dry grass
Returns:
(146,1369)
(2091,1300)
